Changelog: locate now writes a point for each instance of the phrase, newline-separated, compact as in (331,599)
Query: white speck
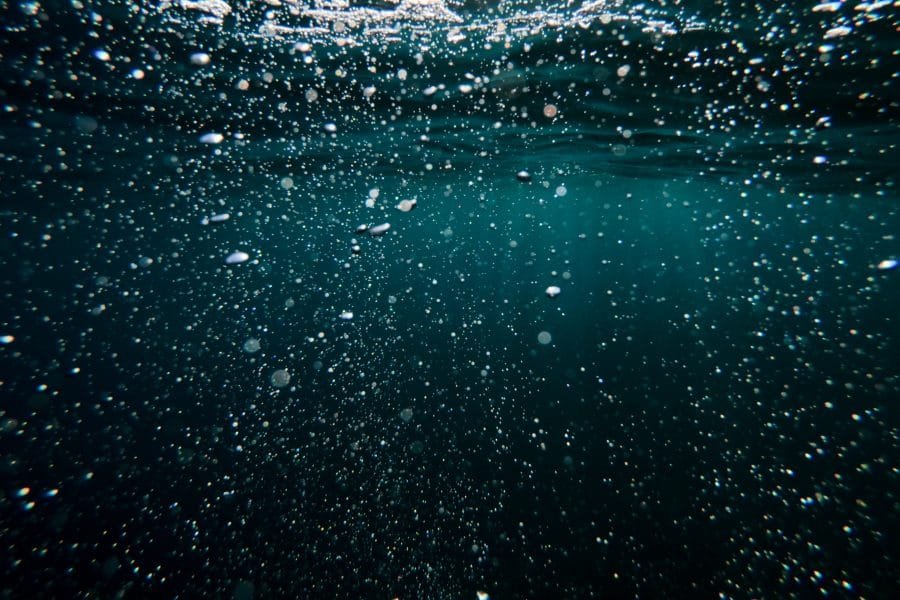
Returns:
(406,205)
(212,138)
(200,58)
(219,218)
(482,596)
(885,265)
(835,32)
(465,88)
(431,89)
(544,337)
(623,70)
(553,291)
(820,160)
(379,229)
(236,258)
(873,6)
(102,55)
(347,315)
(369,91)
(281,378)
(330,127)
(145,261)
(826,7)
(7,339)
(523,176)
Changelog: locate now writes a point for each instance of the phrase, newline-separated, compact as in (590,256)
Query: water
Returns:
(223,375)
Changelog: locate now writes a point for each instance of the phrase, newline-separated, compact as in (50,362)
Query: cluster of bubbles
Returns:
(418,300)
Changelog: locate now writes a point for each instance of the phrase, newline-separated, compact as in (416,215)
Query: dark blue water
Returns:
(631,333)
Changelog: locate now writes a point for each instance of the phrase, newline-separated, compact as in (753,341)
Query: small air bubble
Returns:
(236,258)
(281,378)
(200,59)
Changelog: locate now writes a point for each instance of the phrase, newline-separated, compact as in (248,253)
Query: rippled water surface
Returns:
(460,299)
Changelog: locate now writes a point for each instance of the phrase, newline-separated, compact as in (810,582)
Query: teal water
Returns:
(634,338)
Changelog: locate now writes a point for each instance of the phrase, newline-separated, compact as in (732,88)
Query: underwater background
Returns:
(631,332)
